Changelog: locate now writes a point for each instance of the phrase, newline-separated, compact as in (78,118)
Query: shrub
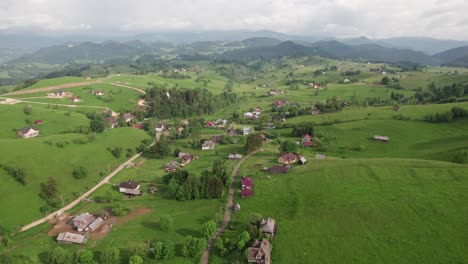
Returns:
(80,172)
(166,223)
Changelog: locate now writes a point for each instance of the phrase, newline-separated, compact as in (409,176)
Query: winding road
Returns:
(227,214)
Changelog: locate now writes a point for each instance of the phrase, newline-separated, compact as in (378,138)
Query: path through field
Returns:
(129,87)
(55,87)
(52,104)
(227,214)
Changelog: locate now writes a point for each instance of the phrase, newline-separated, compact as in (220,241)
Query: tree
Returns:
(59,256)
(219,244)
(49,189)
(98,125)
(84,257)
(173,188)
(168,249)
(253,143)
(161,148)
(158,249)
(135,259)
(288,146)
(166,223)
(139,248)
(80,172)
(27,110)
(385,80)
(110,255)
(209,228)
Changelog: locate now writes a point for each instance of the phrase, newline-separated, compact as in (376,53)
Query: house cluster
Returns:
(218,123)
(112,121)
(85,222)
(246,187)
(286,159)
(275,91)
(208,145)
(255,114)
(185,159)
(28,132)
(59,94)
(280,103)
(260,250)
(130,188)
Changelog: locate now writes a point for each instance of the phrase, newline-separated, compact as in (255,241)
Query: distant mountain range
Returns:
(264,47)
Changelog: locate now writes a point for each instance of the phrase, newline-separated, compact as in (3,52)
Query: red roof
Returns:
(210,123)
(307,137)
(247,182)
(308,144)
(246,193)
(38,122)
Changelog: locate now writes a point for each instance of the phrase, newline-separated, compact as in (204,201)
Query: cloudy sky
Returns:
(341,18)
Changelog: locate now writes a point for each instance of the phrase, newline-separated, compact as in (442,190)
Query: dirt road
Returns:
(129,87)
(227,214)
(82,197)
(56,87)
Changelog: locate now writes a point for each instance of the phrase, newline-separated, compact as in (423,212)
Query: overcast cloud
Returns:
(341,18)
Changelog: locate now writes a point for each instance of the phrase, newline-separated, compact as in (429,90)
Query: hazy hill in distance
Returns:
(427,45)
(452,54)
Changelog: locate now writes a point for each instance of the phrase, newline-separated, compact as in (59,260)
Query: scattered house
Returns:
(381,138)
(268,226)
(259,252)
(273,91)
(37,122)
(216,139)
(276,169)
(263,137)
(234,156)
(280,103)
(222,122)
(99,93)
(128,117)
(288,158)
(210,124)
(112,121)
(186,158)
(315,85)
(185,122)
(180,130)
(59,93)
(208,144)
(257,111)
(28,132)
(70,238)
(279,119)
(249,115)
(320,156)
(80,222)
(306,141)
(247,187)
(246,131)
(270,126)
(302,160)
(171,166)
(152,189)
(237,207)
(316,111)
(346,81)
(159,128)
(95,224)
(130,187)
(75,99)
(111,113)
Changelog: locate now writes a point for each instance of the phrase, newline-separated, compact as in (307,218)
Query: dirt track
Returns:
(227,214)
(56,87)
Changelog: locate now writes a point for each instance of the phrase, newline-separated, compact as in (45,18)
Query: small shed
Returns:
(381,138)
(302,161)
(237,207)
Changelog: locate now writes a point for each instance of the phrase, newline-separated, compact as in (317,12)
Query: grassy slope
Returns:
(362,211)
(35,157)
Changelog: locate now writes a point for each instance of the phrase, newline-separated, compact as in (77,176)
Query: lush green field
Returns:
(42,157)
(56,81)
(116,98)
(360,211)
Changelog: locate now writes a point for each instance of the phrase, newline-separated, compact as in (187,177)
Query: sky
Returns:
(445,19)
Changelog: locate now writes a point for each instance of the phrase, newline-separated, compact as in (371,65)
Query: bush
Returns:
(461,157)
(80,172)
(166,223)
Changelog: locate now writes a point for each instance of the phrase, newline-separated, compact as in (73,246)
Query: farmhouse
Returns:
(270,126)
(112,122)
(273,91)
(246,131)
(234,156)
(159,128)
(247,187)
(288,158)
(28,132)
(130,187)
(280,103)
(381,138)
(171,166)
(210,124)
(80,222)
(128,117)
(75,99)
(95,224)
(69,238)
(216,139)
(268,227)
(279,169)
(208,144)
(302,161)
(59,93)
(259,252)
(99,93)
(307,141)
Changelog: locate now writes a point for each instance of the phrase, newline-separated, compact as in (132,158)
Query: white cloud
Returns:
(443,19)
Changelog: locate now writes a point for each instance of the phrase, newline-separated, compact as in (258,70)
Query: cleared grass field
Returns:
(56,81)
(361,211)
